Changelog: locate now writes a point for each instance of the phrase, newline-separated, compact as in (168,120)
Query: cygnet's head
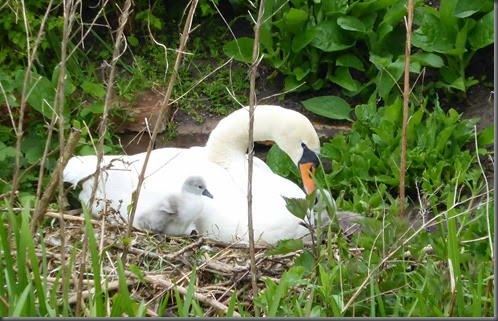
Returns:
(196,185)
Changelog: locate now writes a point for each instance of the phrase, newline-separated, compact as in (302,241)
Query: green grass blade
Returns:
(28,237)
(190,293)
(231,304)
(94,253)
(21,302)
(163,305)
(12,287)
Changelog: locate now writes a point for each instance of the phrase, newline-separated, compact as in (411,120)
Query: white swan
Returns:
(223,163)
(174,213)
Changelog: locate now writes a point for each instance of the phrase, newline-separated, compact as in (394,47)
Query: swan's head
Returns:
(196,185)
(298,138)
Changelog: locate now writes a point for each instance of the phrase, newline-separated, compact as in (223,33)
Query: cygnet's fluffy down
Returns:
(173,214)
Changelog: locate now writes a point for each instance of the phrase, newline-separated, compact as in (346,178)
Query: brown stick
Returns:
(102,130)
(252,101)
(406,96)
(165,111)
(70,217)
(159,280)
(22,108)
(73,140)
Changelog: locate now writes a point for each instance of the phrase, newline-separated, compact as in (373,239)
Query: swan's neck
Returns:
(229,141)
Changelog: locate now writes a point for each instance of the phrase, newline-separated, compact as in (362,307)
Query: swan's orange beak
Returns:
(306,170)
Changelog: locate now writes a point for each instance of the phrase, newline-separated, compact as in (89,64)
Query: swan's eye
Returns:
(200,186)
(303,145)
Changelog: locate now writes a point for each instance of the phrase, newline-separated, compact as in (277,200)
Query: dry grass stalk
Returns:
(54,181)
(165,111)
(406,97)
(22,106)
(102,130)
(252,101)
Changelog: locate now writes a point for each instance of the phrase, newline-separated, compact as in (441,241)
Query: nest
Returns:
(165,262)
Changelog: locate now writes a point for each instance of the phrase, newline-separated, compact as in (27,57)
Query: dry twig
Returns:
(406,96)
(165,111)
(252,101)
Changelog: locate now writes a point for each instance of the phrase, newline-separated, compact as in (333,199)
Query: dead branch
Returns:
(102,130)
(252,101)
(22,106)
(165,111)
(50,190)
(406,97)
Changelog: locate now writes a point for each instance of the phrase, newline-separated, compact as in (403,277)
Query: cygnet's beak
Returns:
(307,166)
(206,193)
(309,184)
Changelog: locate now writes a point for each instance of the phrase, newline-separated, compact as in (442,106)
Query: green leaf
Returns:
(240,49)
(95,90)
(343,78)
(351,23)
(133,41)
(350,60)
(466,8)
(487,136)
(306,260)
(428,59)
(302,71)
(295,19)
(285,246)
(329,106)
(482,34)
(40,92)
(303,39)
(297,206)
(330,37)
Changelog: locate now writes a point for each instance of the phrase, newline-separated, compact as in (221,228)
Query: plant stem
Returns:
(165,110)
(252,100)
(406,96)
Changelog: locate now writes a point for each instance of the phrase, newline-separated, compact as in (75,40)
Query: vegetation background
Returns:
(64,66)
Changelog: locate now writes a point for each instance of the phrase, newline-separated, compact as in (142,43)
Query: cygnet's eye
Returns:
(200,186)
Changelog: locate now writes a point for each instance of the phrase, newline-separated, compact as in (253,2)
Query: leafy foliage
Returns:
(321,42)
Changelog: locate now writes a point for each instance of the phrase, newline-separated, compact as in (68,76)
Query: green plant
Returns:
(359,45)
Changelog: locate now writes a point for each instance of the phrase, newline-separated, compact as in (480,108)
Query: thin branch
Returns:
(406,97)
(22,105)
(102,131)
(165,112)
(50,190)
(252,101)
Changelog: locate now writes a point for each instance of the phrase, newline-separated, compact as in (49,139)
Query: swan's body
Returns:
(223,164)
(175,212)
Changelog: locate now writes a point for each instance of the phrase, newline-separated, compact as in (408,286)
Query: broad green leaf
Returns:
(305,260)
(466,8)
(302,71)
(329,106)
(133,41)
(297,206)
(343,78)
(334,6)
(96,90)
(295,19)
(69,87)
(487,136)
(351,23)
(240,49)
(428,59)
(482,34)
(330,37)
(40,92)
(286,246)
(350,60)
(302,39)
